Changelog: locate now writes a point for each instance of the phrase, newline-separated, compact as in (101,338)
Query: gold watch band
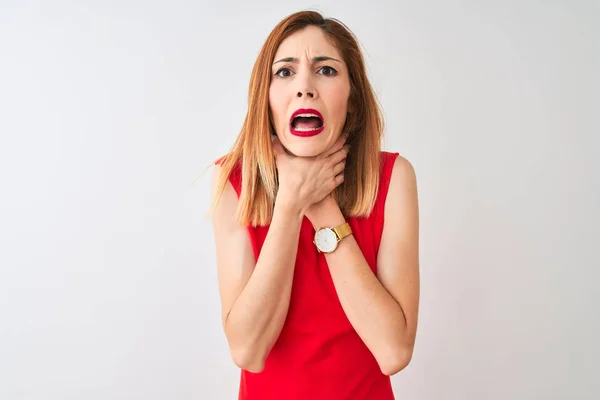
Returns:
(342,230)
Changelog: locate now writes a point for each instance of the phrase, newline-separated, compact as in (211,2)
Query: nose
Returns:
(305,84)
(305,92)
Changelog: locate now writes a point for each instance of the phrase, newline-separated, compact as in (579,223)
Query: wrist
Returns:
(325,214)
(288,207)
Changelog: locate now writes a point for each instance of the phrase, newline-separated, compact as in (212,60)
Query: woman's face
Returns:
(309,79)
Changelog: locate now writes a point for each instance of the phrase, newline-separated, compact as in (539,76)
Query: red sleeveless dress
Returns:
(319,355)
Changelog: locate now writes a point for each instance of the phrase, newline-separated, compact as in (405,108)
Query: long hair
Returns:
(253,147)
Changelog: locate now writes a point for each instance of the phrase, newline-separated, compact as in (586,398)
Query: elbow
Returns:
(395,361)
(248,360)
(245,354)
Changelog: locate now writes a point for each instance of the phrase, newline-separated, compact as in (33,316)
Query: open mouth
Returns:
(306,122)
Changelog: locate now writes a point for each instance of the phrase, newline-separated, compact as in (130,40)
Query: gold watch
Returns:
(327,239)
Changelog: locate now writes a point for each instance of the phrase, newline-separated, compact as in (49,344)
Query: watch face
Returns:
(325,240)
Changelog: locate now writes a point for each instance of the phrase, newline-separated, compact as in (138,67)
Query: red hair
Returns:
(252,148)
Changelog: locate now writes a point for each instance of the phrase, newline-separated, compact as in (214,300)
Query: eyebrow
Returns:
(314,60)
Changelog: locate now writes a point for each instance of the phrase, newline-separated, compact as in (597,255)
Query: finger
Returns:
(338,179)
(336,146)
(339,168)
(339,155)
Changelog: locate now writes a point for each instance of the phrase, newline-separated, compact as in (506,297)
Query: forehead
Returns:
(310,41)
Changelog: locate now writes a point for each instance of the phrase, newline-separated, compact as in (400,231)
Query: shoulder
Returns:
(217,172)
(395,159)
(402,169)
(396,170)
(398,177)
(233,171)
(224,198)
(403,182)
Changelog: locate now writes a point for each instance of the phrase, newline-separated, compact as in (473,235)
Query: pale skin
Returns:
(255,295)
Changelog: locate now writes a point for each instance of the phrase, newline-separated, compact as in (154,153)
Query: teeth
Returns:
(306,129)
(307,115)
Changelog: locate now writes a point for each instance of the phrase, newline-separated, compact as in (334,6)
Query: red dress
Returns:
(319,355)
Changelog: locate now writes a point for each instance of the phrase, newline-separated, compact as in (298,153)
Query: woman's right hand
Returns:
(304,181)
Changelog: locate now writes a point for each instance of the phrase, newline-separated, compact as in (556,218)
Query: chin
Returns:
(306,148)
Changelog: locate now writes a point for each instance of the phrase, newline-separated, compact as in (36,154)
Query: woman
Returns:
(319,296)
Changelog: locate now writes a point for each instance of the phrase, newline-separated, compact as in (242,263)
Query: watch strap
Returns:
(342,230)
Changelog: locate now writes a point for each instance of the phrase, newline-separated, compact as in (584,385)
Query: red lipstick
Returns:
(306,131)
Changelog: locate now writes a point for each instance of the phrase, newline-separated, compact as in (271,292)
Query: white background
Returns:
(110,110)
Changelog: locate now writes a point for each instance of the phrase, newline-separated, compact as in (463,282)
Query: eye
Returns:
(328,71)
(283,72)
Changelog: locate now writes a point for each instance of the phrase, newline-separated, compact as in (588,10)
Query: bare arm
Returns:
(254,295)
(382,309)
